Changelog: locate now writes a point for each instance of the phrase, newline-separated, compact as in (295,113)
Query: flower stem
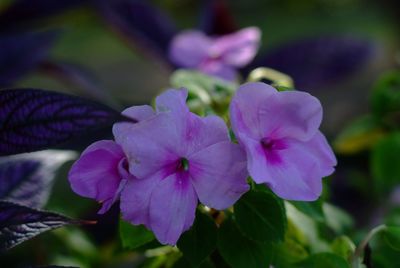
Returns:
(363,244)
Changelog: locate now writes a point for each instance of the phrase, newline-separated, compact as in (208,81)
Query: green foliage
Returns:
(337,219)
(384,156)
(360,135)
(312,209)
(392,237)
(326,260)
(385,99)
(239,251)
(200,241)
(294,248)
(133,236)
(207,94)
(343,246)
(261,216)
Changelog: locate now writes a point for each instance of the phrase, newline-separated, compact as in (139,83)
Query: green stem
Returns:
(361,247)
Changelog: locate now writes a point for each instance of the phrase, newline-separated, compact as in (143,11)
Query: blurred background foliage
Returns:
(361,118)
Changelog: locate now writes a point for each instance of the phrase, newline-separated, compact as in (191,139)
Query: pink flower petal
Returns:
(219,174)
(151,145)
(260,111)
(95,174)
(135,200)
(238,49)
(189,48)
(172,208)
(219,69)
(291,114)
(245,107)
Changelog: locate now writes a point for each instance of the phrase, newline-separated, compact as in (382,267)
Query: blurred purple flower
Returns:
(176,158)
(218,56)
(279,132)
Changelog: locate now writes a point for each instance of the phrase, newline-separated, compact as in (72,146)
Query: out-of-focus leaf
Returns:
(216,19)
(360,135)
(261,216)
(32,120)
(140,23)
(317,61)
(22,53)
(392,236)
(385,99)
(200,241)
(134,236)
(337,219)
(307,228)
(239,251)
(27,179)
(312,209)
(326,260)
(293,249)
(78,76)
(205,92)
(23,13)
(385,155)
(343,247)
(19,223)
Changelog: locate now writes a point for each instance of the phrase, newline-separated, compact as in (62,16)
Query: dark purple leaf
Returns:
(216,18)
(27,179)
(32,119)
(317,62)
(140,23)
(19,223)
(23,13)
(21,53)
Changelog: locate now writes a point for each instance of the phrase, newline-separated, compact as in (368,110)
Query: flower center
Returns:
(183,164)
(270,144)
(271,148)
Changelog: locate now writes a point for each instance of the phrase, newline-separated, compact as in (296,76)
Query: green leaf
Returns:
(200,84)
(207,94)
(133,236)
(337,219)
(326,260)
(293,249)
(312,209)
(360,135)
(385,172)
(261,216)
(200,241)
(343,246)
(385,99)
(239,251)
(392,237)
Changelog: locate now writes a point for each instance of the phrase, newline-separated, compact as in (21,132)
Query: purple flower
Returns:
(98,173)
(217,56)
(102,169)
(279,132)
(178,158)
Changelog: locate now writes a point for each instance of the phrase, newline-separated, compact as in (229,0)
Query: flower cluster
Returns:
(163,165)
